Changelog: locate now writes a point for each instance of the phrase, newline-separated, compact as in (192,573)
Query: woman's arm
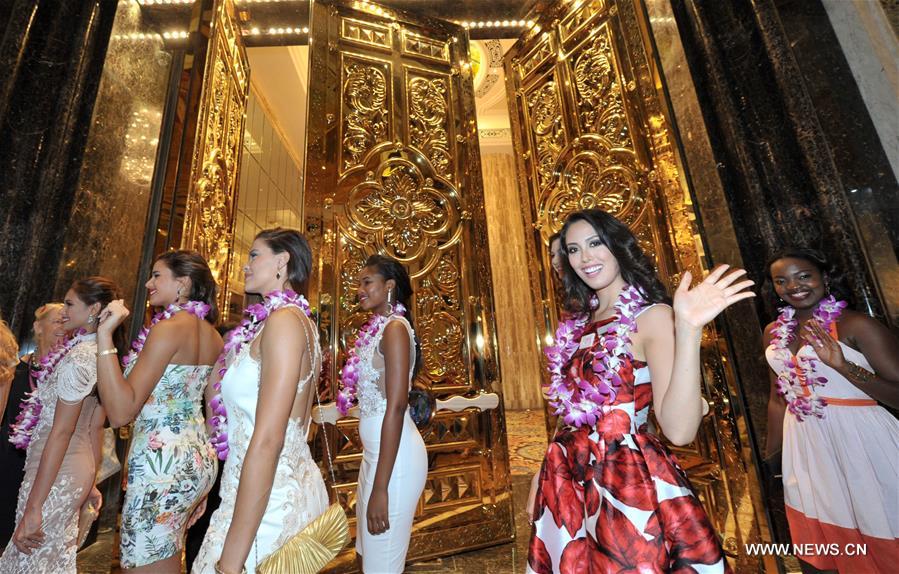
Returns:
(283,341)
(875,342)
(777,408)
(672,354)
(124,398)
(28,534)
(673,357)
(395,349)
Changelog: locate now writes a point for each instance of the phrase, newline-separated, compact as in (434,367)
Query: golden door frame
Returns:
(591,129)
(392,166)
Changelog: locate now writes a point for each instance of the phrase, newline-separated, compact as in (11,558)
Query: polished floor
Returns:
(527,443)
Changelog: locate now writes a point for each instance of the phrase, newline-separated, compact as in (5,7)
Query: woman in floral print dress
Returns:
(171,465)
(609,496)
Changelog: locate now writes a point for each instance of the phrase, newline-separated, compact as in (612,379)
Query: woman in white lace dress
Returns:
(63,445)
(271,487)
(394,459)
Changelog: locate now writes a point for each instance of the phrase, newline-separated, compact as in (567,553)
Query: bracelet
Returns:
(107,352)
(218,568)
(859,372)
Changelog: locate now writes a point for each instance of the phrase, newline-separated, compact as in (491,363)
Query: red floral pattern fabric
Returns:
(613,499)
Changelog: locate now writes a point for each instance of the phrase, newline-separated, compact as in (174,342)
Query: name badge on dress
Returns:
(587,341)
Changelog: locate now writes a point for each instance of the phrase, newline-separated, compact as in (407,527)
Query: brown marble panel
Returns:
(519,353)
(105,231)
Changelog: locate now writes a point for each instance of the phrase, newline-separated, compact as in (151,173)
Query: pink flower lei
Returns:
(255,316)
(349,374)
(793,379)
(578,401)
(196,308)
(30,409)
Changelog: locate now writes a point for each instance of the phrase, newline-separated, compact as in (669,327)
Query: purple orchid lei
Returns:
(578,401)
(349,374)
(196,308)
(793,377)
(30,409)
(255,316)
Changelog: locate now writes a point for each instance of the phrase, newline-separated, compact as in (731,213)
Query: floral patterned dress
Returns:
(171,467)
(611,498)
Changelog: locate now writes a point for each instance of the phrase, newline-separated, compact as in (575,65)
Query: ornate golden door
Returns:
(209,220)
(591,130)
(392,166)
(201,181)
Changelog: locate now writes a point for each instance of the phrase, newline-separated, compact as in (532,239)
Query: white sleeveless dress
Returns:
(298,494)
(386,552)
(841,472)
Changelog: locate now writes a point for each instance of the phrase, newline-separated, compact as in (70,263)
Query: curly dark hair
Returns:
(390,268)
(636,268)
(833,278)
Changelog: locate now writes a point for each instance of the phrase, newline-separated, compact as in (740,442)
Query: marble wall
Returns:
(855,85)
(104,234)
(515,328)
(52,55)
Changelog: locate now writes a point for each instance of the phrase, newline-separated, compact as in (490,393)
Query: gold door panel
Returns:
(590,126)
(212,195)
(393,167)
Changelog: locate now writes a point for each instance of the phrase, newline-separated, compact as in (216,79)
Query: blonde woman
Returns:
(48,332)
(9,351)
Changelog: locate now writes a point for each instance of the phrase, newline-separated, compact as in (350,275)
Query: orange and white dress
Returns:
(841,473)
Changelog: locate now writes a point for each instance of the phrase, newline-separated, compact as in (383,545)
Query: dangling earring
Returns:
(278,275)
(90,319)
(178,295)
(389,301)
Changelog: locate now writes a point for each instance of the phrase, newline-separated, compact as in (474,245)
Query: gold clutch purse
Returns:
(311,549)
(320,541)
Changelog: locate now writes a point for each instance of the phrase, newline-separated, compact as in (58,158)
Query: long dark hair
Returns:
(636,268)
(291,241)
(91,290)
(390,268)
(834,280)
(190,264)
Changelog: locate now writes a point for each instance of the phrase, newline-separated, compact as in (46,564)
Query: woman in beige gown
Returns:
(63,451)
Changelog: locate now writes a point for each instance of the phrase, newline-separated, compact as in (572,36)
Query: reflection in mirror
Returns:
(270,193)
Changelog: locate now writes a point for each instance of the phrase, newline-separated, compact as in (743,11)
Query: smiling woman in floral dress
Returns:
(609,496)
(171,465)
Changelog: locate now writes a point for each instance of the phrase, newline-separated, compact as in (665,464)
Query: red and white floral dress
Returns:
(611,498)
